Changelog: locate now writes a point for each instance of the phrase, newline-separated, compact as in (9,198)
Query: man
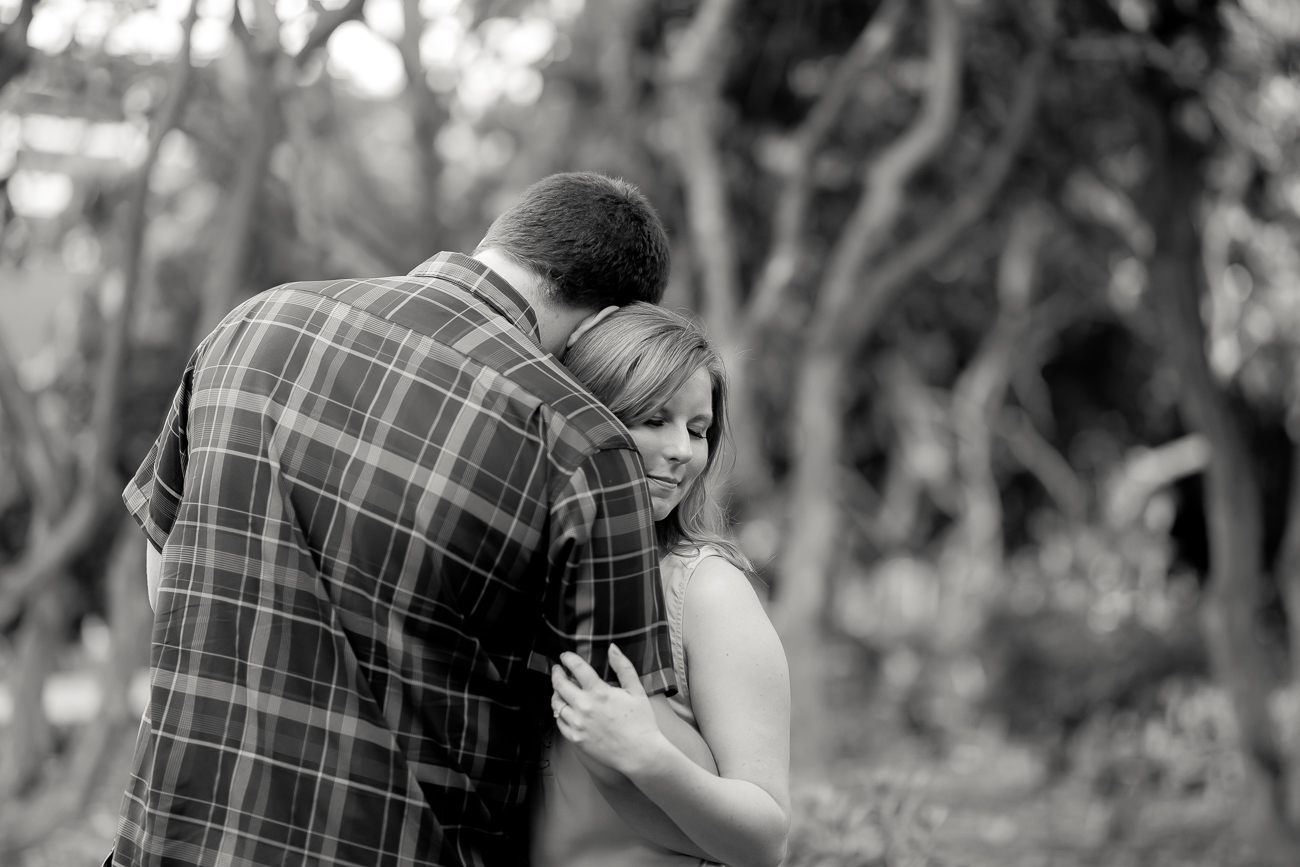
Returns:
(378,511)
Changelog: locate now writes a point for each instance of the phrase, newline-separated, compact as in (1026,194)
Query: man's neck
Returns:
(554,323)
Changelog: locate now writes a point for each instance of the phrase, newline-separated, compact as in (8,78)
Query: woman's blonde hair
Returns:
(633,362)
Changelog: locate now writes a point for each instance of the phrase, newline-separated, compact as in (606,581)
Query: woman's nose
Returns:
(677,445)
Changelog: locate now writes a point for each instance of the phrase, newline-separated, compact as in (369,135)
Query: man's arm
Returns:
(603,583)
(153,495)
(605,577)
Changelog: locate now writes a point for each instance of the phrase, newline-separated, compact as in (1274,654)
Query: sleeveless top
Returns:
(573,825)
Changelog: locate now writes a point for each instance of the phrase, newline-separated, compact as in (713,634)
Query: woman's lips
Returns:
(667,483)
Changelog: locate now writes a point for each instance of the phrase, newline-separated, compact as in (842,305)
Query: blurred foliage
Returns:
(1020,379)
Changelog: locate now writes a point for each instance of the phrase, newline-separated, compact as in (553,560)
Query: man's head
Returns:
(594,241)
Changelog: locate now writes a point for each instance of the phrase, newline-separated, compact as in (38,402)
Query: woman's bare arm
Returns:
(152,572)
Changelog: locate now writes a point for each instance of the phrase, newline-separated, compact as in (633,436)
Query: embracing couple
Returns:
(438,573)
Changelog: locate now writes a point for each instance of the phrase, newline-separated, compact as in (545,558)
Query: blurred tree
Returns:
(1006,289)
(70,506)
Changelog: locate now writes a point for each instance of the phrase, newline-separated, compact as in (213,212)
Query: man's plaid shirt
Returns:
(382,510)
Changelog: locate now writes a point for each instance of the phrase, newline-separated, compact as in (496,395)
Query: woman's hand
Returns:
(614,726)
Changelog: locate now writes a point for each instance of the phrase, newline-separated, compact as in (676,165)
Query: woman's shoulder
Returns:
(716,565)
(716,579)
(691,555)
(707,576)
(717,589)
(724,619)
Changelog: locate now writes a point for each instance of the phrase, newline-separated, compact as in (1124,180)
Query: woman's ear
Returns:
(587,324)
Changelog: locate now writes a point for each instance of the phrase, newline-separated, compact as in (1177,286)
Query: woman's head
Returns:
(662,378)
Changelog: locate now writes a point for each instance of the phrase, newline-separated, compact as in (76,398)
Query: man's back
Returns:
(393,503)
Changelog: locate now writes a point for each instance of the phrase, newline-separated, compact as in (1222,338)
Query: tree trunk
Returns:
(105,739)
(224,278)
(792,160)
(811,548)
(1232,496)
(44,464)
(1287,571)
(40,637)
(15,53)
(65,519)
(813,507)
(972,560)
(1044,462)
(695,70)
(427,116)
(884,283)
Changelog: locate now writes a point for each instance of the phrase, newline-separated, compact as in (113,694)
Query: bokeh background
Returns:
(1010,296)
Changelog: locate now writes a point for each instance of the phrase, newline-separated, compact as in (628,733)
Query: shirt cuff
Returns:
(137,503)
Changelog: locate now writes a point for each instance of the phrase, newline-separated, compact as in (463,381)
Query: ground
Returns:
(1153,790)
(986,804)
(980,799)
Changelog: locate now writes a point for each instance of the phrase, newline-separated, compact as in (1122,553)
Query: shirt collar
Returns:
(485,284)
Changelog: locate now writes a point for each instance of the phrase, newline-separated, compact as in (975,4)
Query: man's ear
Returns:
(587,324)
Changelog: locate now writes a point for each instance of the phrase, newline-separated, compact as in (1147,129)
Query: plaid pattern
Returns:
(382,509)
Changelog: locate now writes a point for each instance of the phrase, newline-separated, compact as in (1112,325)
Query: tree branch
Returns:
(696,54)
(1146,471)
(884,282)
(876,214)
(1287,566)
(44,473)
(975,550)
(15,53)
(795,157)
(104,415)
(427,116)
(695,72)
(266,27)
(326,23)
(63,542)
(614,65)
(408,46)
(1043,461)
(240,28)
(62,798)
(230,249)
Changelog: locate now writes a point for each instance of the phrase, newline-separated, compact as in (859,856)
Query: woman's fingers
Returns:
(583,673)
(611,726)
(565,722)
(626,671)
(571,734)
(568,691)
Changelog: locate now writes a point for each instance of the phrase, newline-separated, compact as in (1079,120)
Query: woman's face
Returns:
(672,442)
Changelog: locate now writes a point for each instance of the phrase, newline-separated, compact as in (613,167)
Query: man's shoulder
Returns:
(575,418)
(575,423)
(578,419)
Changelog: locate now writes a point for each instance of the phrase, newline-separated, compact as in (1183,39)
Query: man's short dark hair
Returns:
(595,240)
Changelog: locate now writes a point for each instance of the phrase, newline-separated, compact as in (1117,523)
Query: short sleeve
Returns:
(603,583)
(153,496)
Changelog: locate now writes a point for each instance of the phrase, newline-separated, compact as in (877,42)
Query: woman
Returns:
(628,780)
